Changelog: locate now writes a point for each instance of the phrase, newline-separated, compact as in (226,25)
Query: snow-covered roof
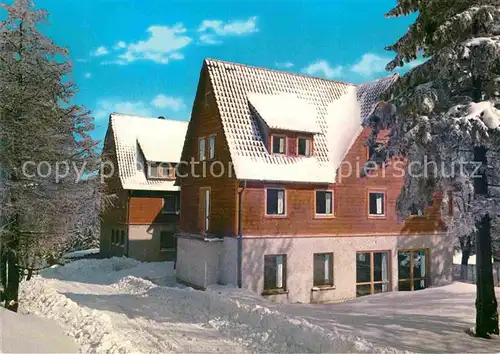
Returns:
(285,111)
(238,88)
(140,139)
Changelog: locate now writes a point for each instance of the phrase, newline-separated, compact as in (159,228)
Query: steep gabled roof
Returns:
(245,93)
(141,139)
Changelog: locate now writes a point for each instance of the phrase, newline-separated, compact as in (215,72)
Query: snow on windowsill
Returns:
(323,288)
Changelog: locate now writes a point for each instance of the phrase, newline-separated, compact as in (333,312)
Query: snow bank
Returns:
(82,253)
(31,334)
(105,315)
(257,327)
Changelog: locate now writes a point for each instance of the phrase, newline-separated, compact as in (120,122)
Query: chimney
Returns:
(161,117)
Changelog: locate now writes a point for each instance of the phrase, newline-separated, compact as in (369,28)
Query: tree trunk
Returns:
(486,303)
(3,273)
(12,288)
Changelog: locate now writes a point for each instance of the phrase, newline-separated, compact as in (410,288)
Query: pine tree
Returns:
(445,111)
(44,146)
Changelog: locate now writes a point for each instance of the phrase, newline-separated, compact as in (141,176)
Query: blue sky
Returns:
(144,56)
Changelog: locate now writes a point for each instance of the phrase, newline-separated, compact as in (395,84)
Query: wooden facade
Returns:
(350,192)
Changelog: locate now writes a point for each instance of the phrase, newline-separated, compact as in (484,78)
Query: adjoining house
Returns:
(271,204)
(140,157)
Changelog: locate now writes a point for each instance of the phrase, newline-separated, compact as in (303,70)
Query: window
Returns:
(372,273)
(205,209)
(153,171)
(412,269)
(303,147)
(275,201)
(113,237)
(323,269)
(416,211)
(278,144)
(373,149)
(275,272)
(201,149)
(161,170)
(170,204)
(324,203)
(208,98)
(376,203)
(122,238)
(167,241)
(211,147)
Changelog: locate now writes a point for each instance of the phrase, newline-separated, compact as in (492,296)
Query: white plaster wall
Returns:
(229,265)
(198,261)
(300,252)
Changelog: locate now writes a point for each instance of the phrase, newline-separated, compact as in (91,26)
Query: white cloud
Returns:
(120,45)
(88,75)
(100,51)
(107,106)
(164,101)
(212,29)
(209,39)
(370,64)
(323,68)
(285,64)
(163,45)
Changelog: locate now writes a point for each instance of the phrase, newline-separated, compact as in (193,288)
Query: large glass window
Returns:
(413,269)
(323,269)
(372,273)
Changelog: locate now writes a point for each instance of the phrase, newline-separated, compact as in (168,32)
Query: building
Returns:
(140,156)
(271,204)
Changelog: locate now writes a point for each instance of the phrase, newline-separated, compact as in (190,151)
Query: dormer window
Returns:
(278,143)
(159,170)
(303,147)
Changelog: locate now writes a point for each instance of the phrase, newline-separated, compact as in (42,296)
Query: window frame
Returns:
(382,191)
(205,221)
(274,290)
(285,202)
(412,279)
(200,139)
(211,151)
(323,216)
(372,282)
(310,140)
(285,147)
(331,283)
(176,203)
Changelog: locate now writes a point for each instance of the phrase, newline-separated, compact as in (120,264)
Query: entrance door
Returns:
(413,269)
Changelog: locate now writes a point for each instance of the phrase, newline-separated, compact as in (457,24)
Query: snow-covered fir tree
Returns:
(45,146)
(443,118)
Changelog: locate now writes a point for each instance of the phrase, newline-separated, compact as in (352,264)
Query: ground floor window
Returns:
(372,273)
(413,269)
(275,272)
(167,241)
(323,269)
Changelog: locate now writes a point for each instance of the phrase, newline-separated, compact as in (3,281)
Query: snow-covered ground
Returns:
(32,334)
(124,306)
(82,253)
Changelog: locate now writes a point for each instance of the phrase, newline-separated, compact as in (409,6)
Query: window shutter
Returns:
(308,145)
(279,271)
(281,202)
(282,145)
